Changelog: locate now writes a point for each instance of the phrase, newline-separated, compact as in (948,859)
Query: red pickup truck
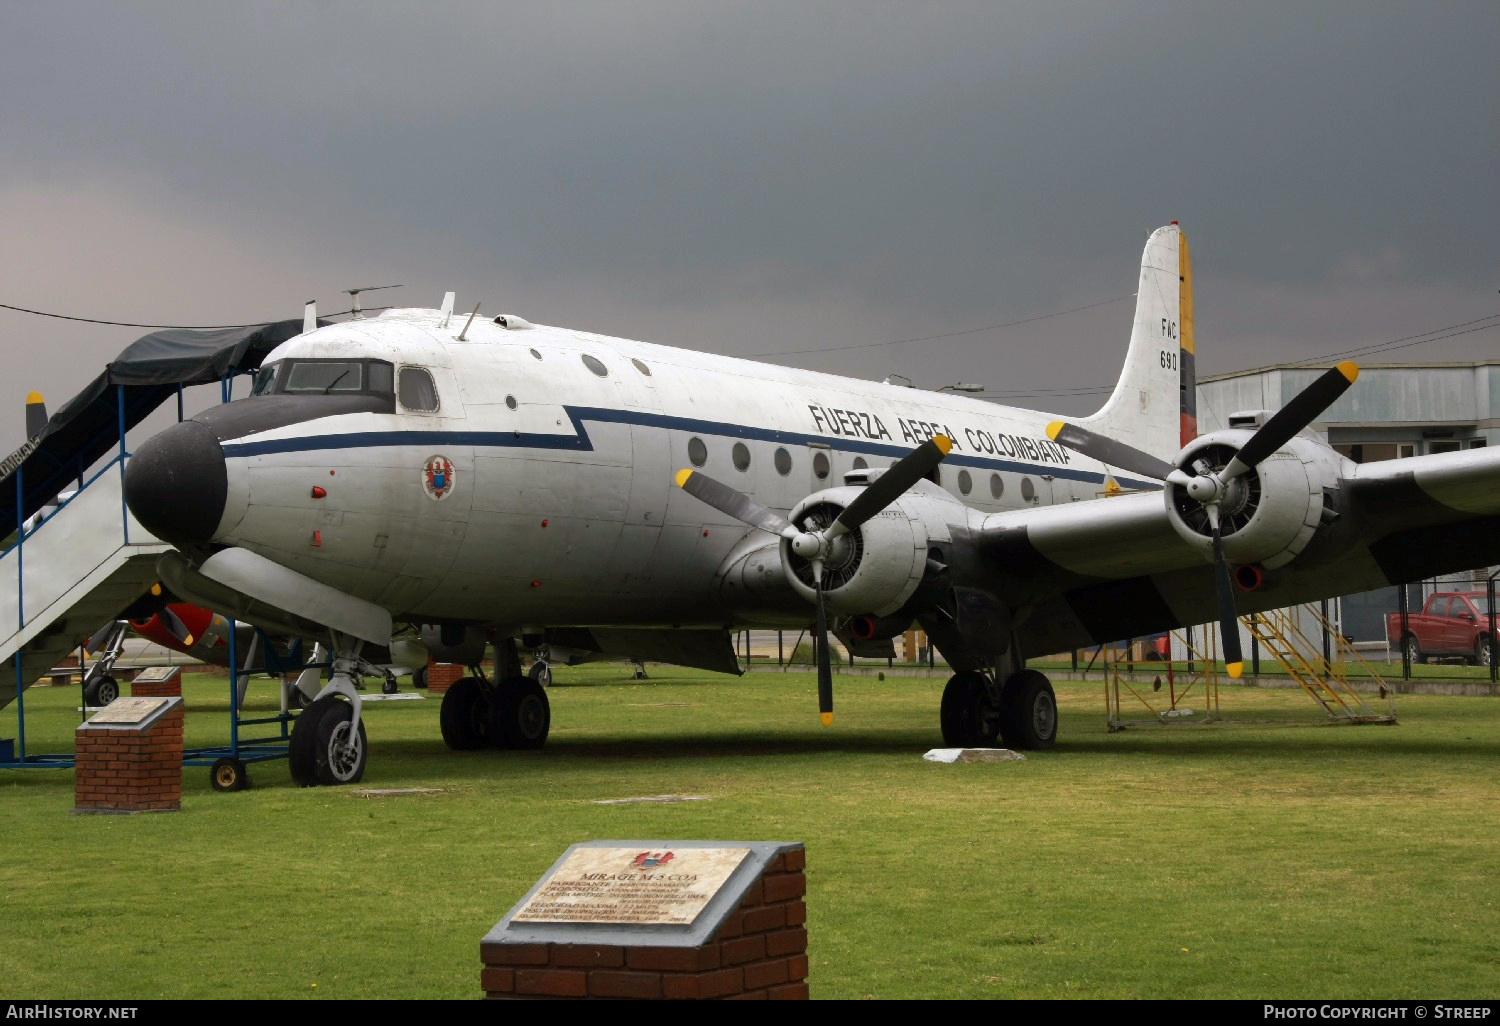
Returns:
(1452,624)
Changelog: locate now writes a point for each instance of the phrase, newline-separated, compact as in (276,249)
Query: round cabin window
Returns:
(697,452)
(783,461)
(741,456)
(595,366)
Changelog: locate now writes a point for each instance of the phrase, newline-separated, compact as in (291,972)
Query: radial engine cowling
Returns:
(872,569)
(1268,514)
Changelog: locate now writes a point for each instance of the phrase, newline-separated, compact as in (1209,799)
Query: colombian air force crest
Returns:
(437,477)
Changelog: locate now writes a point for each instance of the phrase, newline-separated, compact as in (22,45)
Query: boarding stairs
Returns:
(1284,634)
(68,574)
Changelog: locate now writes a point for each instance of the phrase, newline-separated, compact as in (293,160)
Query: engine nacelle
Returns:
(872,569)
(1268,514)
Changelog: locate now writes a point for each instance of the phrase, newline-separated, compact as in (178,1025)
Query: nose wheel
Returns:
(327,747)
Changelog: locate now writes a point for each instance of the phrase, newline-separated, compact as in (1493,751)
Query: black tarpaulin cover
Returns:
(146,374)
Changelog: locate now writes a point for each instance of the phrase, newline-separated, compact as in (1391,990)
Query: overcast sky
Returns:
(758,178)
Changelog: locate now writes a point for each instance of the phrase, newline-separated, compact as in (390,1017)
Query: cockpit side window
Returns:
(265,379)
(416,391)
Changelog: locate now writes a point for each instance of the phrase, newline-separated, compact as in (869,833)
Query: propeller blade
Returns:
(825,671)
(174,624)
(734,503)
(891,485)
(1107,450)
(1304,408)
(1229,621)
(99,638)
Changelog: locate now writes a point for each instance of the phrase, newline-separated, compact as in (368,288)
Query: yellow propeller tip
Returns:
(33,397)
(826,719)
(1235,669)
(682,476)
(156,589)
(943,442)
(1349,370)
(1054,429)
(188,640)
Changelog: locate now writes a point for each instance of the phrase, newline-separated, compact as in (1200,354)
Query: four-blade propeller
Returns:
(1209,487)
(815,546)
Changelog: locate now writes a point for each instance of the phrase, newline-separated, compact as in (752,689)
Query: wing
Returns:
(1130,566)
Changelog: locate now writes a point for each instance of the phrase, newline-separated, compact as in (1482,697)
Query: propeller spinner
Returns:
(815,546)
(1210,488)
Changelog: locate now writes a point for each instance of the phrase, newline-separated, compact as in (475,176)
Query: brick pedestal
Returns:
(129,757)
(157,682)
(752,948)
(441,676)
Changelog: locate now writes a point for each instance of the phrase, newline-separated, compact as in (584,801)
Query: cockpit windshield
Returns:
(325,377)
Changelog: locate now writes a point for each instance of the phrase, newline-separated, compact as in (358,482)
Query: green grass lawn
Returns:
(1242,860)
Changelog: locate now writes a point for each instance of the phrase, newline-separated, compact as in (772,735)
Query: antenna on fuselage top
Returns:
(447,310)
(310,316)
(470,321)
(353,294)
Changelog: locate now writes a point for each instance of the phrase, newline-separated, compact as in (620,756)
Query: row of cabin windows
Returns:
(739,455)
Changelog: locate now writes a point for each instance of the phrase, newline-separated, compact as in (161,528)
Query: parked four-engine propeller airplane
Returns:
(515,483)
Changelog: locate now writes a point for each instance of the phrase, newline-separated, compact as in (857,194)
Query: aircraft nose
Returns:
(176,483)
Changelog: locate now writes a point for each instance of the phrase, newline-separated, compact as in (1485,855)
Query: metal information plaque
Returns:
(130,712)
(157,674)
(666,887)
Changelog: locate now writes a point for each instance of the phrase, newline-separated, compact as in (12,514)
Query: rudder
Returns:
(1154,404)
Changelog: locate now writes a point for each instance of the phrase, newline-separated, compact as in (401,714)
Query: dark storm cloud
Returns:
(761,177)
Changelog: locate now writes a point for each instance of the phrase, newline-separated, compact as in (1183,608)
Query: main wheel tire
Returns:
(229,774)
(465,715)
(1484,652)
(969,717)
(321,750)
(541,673)
(523,716)
(1028,712)
(419,678)
(101,691)
(1413,650)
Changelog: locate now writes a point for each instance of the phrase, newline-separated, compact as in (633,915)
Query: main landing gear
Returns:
(512,712)
(976,711)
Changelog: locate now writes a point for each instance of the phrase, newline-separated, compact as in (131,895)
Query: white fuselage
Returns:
(554,500)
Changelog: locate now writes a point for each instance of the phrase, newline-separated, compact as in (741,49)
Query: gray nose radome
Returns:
(176,484)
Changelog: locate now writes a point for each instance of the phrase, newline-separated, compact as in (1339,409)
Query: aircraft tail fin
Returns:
(36,414)
(1154,406)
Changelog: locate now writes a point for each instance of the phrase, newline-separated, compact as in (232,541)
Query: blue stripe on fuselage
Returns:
(581,442)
